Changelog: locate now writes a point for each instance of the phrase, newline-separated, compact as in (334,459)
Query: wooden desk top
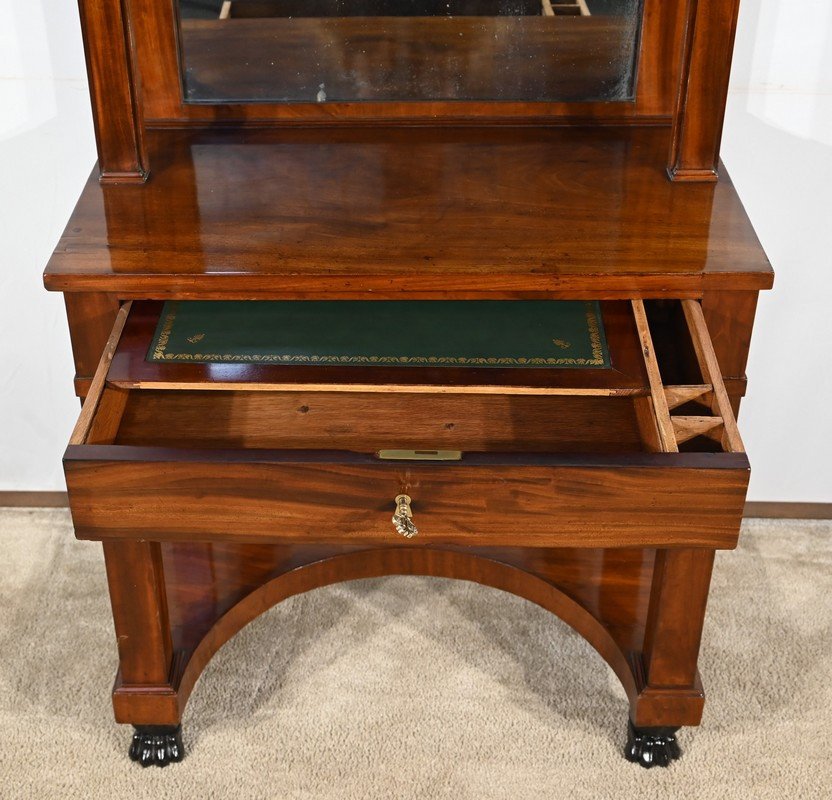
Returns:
(464,212)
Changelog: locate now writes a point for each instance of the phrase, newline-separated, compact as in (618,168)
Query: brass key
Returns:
(403,518)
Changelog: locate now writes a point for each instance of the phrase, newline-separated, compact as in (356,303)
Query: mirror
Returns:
(318,51)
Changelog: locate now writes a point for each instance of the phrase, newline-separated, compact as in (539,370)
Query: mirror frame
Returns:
(155,28)
(234,58)
(133,62)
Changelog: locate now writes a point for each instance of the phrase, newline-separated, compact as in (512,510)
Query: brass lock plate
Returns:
(420,455)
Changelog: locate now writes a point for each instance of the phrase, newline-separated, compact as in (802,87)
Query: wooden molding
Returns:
(114,90)
(33,499)
(154,27)
(703,88)
(785,510)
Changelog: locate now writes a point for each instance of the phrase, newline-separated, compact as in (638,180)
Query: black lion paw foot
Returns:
(157,745)
(651,747)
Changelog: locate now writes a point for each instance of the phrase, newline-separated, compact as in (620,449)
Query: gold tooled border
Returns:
(593,324)
(593,329)
(164,335)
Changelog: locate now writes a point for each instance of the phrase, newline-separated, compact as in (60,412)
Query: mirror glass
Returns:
(318,51)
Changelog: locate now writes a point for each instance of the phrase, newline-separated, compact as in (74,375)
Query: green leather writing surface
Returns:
(477,333)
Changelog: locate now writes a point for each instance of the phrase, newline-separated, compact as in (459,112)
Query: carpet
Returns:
(416,688)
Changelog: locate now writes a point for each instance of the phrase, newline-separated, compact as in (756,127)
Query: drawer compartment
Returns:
(281,454)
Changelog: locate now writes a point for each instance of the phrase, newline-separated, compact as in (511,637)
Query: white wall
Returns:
(46,152)
(778,147)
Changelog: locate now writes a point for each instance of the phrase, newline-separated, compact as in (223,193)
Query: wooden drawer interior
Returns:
(582,459)
(625,376)
(662,392)
(372,421)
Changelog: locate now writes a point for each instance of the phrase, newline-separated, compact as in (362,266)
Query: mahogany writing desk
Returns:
(219,489)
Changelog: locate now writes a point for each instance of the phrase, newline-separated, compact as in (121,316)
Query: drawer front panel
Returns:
(643,500)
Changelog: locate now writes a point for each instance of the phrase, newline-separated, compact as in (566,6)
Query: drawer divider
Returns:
(711,373)
(671,431)
(688,427)
(679,395)
(666,437)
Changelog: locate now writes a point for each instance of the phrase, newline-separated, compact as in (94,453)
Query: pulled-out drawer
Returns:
(607,457)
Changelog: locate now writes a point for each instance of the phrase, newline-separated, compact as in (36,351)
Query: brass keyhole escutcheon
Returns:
(403,518)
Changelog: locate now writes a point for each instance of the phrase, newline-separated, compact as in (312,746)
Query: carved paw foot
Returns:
(651,747)
(157,745)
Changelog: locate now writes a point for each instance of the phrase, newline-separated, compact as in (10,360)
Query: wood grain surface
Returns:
(212,495)
(368,422)
(576,213)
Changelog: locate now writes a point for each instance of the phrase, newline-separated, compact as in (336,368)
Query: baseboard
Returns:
(776,510)
(766,510)
(33,499)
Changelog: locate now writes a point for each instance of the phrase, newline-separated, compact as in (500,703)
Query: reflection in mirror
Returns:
(306,51)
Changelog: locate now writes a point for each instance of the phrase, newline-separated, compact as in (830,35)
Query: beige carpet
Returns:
(416,688)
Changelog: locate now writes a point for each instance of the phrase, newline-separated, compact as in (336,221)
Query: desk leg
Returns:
(145,692)
(670,694)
